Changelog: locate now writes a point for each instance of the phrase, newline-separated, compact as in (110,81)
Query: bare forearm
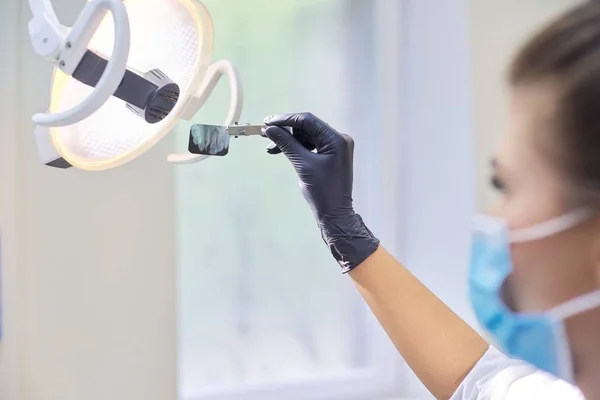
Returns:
(438,346)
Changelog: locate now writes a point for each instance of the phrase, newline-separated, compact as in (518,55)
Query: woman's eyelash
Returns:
(497,183)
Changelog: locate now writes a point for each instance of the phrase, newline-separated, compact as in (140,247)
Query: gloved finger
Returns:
(286,142)
(273,149)
(317,131)
(304,141)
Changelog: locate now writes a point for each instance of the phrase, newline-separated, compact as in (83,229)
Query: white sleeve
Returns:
(498,377)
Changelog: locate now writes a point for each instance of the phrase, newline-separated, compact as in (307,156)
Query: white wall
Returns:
(94,305)
(498,28)
(10,344)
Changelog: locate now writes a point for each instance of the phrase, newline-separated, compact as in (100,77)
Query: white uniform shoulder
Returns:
(498,377)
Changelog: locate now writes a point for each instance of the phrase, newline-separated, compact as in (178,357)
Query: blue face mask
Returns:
(538,338)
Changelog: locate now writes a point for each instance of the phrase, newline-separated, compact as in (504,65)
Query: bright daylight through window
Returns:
(261,300)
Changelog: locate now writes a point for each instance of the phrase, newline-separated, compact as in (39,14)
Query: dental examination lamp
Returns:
(125,75)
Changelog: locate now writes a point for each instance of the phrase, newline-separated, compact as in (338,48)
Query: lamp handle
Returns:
(74,47)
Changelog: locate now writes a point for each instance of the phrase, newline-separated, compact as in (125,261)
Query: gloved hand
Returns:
(326,179)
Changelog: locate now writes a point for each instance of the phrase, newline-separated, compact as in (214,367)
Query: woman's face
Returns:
(532,189)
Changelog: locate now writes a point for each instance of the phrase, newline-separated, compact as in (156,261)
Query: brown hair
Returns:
(567,54)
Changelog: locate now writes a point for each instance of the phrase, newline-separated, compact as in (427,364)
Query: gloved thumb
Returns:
(285,141)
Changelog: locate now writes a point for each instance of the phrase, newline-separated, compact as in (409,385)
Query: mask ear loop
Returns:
(552,227)
(575,306)
(558,315)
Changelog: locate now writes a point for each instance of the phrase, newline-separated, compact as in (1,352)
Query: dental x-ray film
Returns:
(214,140)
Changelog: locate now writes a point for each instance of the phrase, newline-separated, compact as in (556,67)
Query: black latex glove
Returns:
(326,178)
